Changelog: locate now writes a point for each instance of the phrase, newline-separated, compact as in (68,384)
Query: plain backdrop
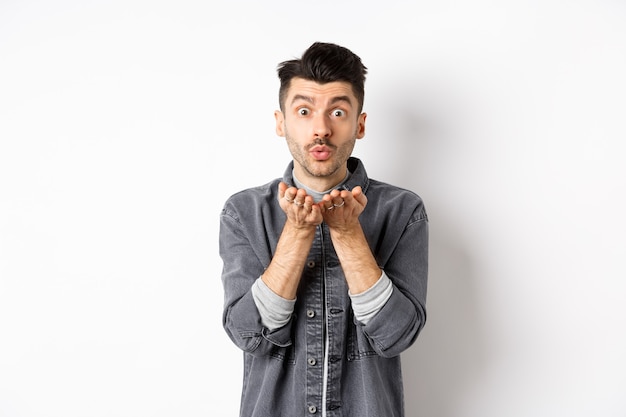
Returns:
(124,126)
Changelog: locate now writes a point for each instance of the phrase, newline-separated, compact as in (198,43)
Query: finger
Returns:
(308,203)
(359,196)
(338,202)
(286,192)
(299,196)
(326,203)
(291,194)
(335,193)
(282,187)
(316,210)
(339,199)
(347,196)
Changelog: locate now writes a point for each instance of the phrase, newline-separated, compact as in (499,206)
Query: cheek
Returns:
(296,129)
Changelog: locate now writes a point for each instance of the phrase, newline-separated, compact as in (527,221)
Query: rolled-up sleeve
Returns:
(241,268)
(396,325)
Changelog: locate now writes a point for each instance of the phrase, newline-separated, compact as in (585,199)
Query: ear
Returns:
(280,123)
(360,129)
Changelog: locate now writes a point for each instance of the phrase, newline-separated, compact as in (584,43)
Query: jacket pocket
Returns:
(359,345)
(284,354)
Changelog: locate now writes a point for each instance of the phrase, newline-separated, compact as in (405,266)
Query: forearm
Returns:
(275,311)
(397,324)
(282,275)
(357,261)
(368,303)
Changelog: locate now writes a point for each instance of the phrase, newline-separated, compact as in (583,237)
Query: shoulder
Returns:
(398,200)
(249,199)
(266,190)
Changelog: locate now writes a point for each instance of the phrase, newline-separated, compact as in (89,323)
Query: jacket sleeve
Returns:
(396,326)
(245,256)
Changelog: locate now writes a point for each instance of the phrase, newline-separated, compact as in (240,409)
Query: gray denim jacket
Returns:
(283,368)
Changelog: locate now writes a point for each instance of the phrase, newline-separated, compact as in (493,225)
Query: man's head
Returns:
(321,101)
(324,63)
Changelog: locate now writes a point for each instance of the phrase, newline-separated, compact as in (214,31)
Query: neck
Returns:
(320,184)
(317,194)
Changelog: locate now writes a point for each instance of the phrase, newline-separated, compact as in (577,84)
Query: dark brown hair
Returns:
(324,63)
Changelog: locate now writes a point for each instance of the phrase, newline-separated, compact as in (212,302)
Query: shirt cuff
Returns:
(366,304)
(275,310)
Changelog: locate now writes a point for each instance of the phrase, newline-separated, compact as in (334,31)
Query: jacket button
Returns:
(310,264)
(312,409)
(310,313)
(312,361)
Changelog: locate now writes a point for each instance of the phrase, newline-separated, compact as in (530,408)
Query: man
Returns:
(325,271)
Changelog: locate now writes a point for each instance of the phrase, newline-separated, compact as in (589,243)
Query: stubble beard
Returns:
(326,168)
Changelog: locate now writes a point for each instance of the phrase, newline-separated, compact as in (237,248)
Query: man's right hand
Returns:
(299,207)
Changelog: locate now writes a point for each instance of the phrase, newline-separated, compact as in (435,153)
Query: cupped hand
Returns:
(341,209)
(299,207)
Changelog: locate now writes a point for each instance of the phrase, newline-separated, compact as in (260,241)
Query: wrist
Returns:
(299,231)
(347,232)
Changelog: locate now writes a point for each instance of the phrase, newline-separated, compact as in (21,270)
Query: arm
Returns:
(245,253)
(303,216)
(341,213)
(398,323)
(395,324)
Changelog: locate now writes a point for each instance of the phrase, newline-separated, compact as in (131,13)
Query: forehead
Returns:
(300,88)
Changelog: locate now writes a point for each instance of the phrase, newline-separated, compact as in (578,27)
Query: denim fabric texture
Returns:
(283,369)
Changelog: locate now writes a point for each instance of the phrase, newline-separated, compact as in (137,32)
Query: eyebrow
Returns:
(308,99)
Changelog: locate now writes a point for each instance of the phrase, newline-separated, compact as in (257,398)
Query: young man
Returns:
(325,270)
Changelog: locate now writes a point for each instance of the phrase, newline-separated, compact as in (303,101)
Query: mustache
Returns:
(321,142)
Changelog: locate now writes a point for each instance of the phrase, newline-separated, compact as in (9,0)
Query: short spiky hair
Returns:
(324,63)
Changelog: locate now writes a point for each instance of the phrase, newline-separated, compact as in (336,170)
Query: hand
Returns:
(341,209)
(299,207)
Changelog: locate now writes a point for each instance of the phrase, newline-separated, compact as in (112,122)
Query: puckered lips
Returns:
(320,152)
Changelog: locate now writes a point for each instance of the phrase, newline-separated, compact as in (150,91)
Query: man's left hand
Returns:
(341,209)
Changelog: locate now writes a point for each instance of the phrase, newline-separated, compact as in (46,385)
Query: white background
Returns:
(124,125)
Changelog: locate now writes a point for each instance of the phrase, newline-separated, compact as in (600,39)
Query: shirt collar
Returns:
(357,176)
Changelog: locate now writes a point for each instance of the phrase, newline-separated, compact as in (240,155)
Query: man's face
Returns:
(321,124)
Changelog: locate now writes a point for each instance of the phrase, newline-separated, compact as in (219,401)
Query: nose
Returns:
(321,126)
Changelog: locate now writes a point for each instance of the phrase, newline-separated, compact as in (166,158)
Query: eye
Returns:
(303,111)
(338,113)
